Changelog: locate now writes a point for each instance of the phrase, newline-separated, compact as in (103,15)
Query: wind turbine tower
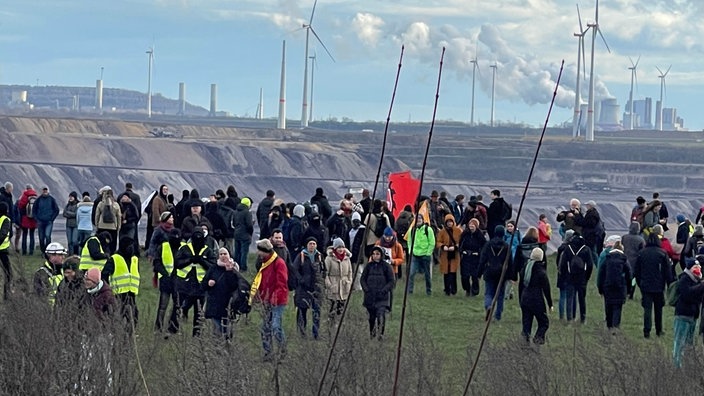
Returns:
(577,92)
(475,68)
(634,77)
(493,91)
(150,52)
(590,107)
(312,80)
(662,90)
(309,30)
(281,123)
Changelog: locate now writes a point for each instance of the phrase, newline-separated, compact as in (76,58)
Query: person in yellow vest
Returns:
(48,276)
(95,251)
(164,268)
(121,271)
(192,262)
(5,233)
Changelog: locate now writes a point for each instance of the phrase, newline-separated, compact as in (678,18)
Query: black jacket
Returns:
(323,206)
(592,228)
(309,279)
(471,245)
(538,288)
(652,269)
(691,293)
(492,258)
(355,246)
(573,248)
(263,210)
(190,286)
(614,277)
(218,296)
(377,281)
(244,227)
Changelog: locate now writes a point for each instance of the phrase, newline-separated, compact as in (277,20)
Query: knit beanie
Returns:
(611,240)
(388,231)
(474,221)
(356,216)
(536,254)
(165,216)
(499,231)
(246,202)
(337,243)
(680,218)
(264,245)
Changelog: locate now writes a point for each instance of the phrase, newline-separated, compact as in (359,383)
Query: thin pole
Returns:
(518,215)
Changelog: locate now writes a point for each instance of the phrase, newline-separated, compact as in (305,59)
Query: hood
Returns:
(299,210)
(450,217)
(81,204)
(634,228)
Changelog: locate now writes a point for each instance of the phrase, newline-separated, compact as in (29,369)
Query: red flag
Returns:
(402,191)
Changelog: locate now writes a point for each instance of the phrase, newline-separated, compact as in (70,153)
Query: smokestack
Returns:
(99,95)
(213,99)
(281,124)
(182,99)
(260,113)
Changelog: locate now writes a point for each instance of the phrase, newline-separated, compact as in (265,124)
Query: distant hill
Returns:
(61,98)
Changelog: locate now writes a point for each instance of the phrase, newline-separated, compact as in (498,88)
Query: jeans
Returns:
(272,326)
(490,288)
(241,251)
(684,335)
(652,302)
(302,318)
(164,298)
(222,327)
(576,294)
(72,239)
(420,264)
(44,233)
(83,236)
(613,315)
(29,231)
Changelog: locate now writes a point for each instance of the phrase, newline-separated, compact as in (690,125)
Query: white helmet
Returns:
(55,248)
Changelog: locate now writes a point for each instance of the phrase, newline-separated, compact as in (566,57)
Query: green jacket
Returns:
(424,241)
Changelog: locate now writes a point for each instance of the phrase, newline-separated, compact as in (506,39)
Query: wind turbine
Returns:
(590,107)
(493,91)
(662,89)
(475,68)
(634,77)
(309,29)
(150,52)
(314,63)
(578,94)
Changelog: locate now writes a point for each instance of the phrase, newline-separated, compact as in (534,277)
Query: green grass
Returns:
(452,324)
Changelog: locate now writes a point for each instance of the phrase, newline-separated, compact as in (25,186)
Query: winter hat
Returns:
(356,216)
(165,216)
(337,243)
(264,245)
(74,195)
(680,218)
(93,274)
(195,202)
(299,210)
(388,231)
(104,188)
(657,229)
(499,231)
(537,254)
(611,240)
(474,221)
(246,202)
(311,239)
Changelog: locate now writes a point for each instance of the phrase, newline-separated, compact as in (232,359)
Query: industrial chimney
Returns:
(182,99)
(213,99)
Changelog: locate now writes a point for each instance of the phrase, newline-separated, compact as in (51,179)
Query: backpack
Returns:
(239,300)
(108,217)
(508,211)
(673,293)
(576,266)
(494,266)
(29,209)
(698,247)
(380,225)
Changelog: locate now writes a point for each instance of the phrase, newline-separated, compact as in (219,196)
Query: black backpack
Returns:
(108,215)
(380,225)
(576,267)
(495,265)
(239,301)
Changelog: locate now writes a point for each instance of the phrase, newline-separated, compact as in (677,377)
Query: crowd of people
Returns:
(199,247)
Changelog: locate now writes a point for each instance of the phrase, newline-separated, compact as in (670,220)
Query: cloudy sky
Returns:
(237,45)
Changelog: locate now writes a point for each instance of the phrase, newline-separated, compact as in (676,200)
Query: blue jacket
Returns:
(84,216)
(46,209)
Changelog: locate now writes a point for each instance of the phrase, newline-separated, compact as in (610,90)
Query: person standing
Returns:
(491,261)
(533,292)
(27,221)
(244,228)
(613,281)
(70,211)
(472,242)
(498,213)
(338,279)
(96,251)
(46,210)
(219,283)
(422,246)
(137,202)
(108,216)
(264,209)
(576,264)
(448,244)
(652,273)
(377,282)
(121,271)
(691,289)
(5,232)
(159,205)
(163,264)
(544,232)
(309,271)
(270,288)
(47,278)
(84,223)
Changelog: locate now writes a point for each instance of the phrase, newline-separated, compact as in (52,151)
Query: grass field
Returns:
(450,326)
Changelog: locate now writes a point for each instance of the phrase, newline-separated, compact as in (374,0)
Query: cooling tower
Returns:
(608,115)
(99,95)
(182,99)
(213,99)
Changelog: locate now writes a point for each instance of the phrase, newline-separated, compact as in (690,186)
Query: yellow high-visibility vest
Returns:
(54,281)
(124,279)
(5,243)
(86,261)
(200,271)
(167,257)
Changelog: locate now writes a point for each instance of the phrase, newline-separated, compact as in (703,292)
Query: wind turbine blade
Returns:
(321,42)
(596,14)
(579,17)
(661,73)
(635,74)
(584,60)
(637,61)
(668,70)
(604,39)
(312,12)
(631,59)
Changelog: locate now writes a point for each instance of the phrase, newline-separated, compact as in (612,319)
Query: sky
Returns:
(237,44)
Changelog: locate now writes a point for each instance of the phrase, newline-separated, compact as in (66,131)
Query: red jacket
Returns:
(273,288)
(26,222)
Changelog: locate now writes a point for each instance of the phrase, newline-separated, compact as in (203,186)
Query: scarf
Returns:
(339,256)
(96,288)
(529,271)
(311,256)
(258,278)
(388,245)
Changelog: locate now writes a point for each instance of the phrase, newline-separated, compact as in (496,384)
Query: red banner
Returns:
(402,191)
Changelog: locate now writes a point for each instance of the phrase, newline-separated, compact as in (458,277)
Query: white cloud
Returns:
(368,28)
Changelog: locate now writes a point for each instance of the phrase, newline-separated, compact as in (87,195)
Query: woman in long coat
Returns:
(448,242)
